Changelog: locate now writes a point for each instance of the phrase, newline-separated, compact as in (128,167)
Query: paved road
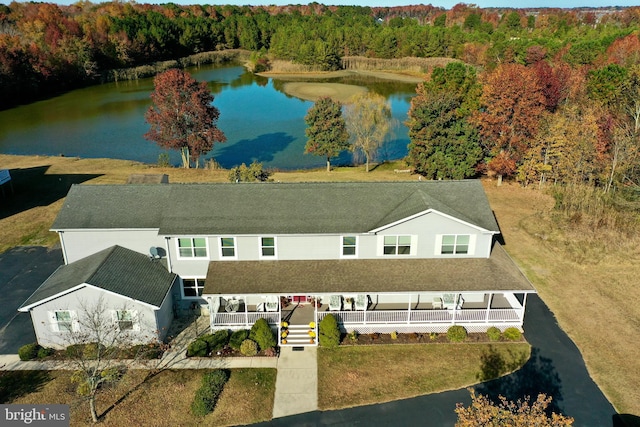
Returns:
(22,270)
(556,368)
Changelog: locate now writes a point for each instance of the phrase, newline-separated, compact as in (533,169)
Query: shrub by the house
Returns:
(28,351)
(198,348)
(249,348)
(44,352)
(494,333)
(237,337)
(217,341)
(456,333)
(207,395)
(329,332)
(262,334)
(512,334)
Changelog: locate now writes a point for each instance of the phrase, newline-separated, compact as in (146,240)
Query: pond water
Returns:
(260,121)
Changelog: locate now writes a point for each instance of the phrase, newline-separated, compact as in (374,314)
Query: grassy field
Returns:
(590,287)
(160,400)
(361,375)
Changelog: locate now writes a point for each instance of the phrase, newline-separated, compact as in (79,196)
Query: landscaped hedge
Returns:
(329,332)
(237,337)
(262,334)
(217,341)
(198,348)
(456,333)
(249,348)
(28,351)
(512,334)
(494,333)
(207,395)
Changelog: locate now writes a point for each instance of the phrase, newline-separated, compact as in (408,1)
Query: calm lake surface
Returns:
(260,121)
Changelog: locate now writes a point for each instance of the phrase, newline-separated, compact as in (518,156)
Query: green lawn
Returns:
(359,375)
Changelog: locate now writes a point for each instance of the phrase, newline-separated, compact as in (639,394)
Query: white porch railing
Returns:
(426,316)
(506,315)
(245,318)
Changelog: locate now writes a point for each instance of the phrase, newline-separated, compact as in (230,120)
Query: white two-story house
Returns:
(384,256)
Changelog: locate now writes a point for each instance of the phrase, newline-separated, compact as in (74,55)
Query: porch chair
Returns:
(437,303)
(272,303)
(362,302)
(232,305)
(335,303)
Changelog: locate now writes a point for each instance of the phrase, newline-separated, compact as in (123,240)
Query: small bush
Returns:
(237,337)
(329,332)
(262,334)
(29,351)
(457,333)
(74,350)
(249,348)
(206,397)
(353,335)
(143,351)
(92,350)
(44,352)
(512,334)
(494,333)
(198,348)
(217,341)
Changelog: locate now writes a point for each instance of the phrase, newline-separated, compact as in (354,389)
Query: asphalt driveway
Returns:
(555,368)
(22,270)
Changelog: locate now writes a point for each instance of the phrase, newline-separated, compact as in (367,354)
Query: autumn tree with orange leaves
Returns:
(512,104)
(182,117)
(482,412)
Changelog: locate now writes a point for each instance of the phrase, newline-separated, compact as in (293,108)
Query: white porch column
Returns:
(246,312)
(489,307)
(524,305)
(409,311)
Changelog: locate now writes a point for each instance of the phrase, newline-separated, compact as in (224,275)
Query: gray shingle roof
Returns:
(278,208)
(496,273)
(115,269)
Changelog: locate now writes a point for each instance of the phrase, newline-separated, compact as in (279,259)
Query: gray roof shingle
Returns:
(115,269)
(278,208)
(496,273)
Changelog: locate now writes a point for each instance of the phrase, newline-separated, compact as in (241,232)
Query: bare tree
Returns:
(368,119)
(96,337)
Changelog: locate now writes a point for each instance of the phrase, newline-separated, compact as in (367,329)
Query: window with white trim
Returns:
(454,244)
(397,245)
(227,247)
(192,288)
(127,320)
(64,321)
(349,246)
(192,247)
(267,247)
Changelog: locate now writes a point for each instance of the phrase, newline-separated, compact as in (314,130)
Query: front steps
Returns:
(298,336)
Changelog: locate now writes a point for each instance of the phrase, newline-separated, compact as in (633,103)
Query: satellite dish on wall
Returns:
(154,253)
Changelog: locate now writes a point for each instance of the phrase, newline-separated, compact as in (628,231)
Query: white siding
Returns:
(80,244)
(84,301)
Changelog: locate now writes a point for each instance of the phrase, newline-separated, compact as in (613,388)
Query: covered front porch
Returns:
(372,295)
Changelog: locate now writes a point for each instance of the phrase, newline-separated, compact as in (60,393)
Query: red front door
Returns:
(299,298)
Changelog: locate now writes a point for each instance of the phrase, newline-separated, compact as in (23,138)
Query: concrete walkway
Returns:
(297,382)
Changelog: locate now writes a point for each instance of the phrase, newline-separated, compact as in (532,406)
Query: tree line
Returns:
(46,48)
